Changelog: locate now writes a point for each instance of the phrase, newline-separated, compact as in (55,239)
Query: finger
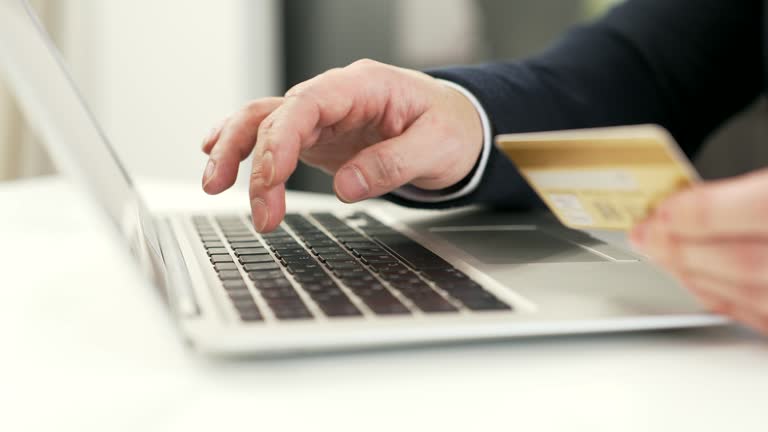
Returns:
(720,297)
(743,261)
(737,206)
(235,142)
(343,99)
(213,136)
(386,166)
(268,209)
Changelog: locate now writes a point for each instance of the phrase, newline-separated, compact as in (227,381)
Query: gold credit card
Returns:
(605,178)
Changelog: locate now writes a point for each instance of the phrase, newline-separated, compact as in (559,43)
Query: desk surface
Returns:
(85,346)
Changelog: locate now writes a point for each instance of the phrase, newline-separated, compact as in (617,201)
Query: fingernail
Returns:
(351,185)
(208,171)
(268,168)
(260,214)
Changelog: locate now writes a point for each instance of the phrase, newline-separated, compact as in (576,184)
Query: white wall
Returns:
(158,74)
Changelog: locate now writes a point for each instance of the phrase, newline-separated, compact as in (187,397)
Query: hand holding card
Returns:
(607,178)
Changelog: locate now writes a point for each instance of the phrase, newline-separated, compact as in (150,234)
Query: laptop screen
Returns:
(57,111)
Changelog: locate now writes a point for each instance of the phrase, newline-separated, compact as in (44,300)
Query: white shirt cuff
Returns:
(414,193)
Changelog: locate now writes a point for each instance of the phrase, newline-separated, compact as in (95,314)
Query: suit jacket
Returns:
(687,65)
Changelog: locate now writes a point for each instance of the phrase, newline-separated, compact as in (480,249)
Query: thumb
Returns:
(388,165)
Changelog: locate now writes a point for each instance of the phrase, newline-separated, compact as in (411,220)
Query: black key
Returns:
(235,284)
(255,267)
(236,239)
(339,265)
(352,273)
(415,254)
(246,259)
(390,267)
(365,282)
(250,251)
(286,252)
(271,284)
(278,232)
(209,237)
(298,258)
(310,278)
(361,245)
(319,287)
(250,315)
(247,244)
(282,241)
(213,244)
(239,295)
(305,267)
(424,297)
(328,250)
(433,304)
(221,259)
(381,259)
(237,233)
(218,251)
(381,301)
(224,266)
(333,257)
(352,239)
(230,275)
(491,304)
(286,311)
(264,275)
(279,293)
(375,251)
(319,243)
(339,309)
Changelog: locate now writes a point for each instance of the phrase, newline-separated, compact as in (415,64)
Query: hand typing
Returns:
(374,127)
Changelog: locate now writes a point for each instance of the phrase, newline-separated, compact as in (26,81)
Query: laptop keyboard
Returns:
(344,270)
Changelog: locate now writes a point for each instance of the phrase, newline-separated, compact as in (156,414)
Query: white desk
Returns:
(86,347)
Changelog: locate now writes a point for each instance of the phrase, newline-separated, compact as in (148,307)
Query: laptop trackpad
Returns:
(514,245)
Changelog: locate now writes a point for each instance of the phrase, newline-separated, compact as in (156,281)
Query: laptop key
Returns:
(255,267)
(250,315)
(289,311)
(250,251)
(215,259)
(239,295)
(225,266)
(236,239)
(235,284)
(264,275)
(230,275)
(248,259)
(246,244)
(218,251)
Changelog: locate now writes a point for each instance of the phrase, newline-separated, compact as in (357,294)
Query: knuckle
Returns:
(307,87)
(390,167)
(365,63)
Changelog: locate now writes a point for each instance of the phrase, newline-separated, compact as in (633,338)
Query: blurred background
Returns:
(159,74)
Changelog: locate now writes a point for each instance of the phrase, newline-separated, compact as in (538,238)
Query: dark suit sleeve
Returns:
(687,65)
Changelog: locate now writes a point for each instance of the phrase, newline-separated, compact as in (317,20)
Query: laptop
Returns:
(374,276)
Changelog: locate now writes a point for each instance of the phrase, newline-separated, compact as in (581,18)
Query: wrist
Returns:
(476,133)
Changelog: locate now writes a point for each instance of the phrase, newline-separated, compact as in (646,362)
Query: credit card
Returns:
(604,178)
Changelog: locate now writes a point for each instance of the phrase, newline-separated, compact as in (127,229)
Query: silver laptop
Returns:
(375,276)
